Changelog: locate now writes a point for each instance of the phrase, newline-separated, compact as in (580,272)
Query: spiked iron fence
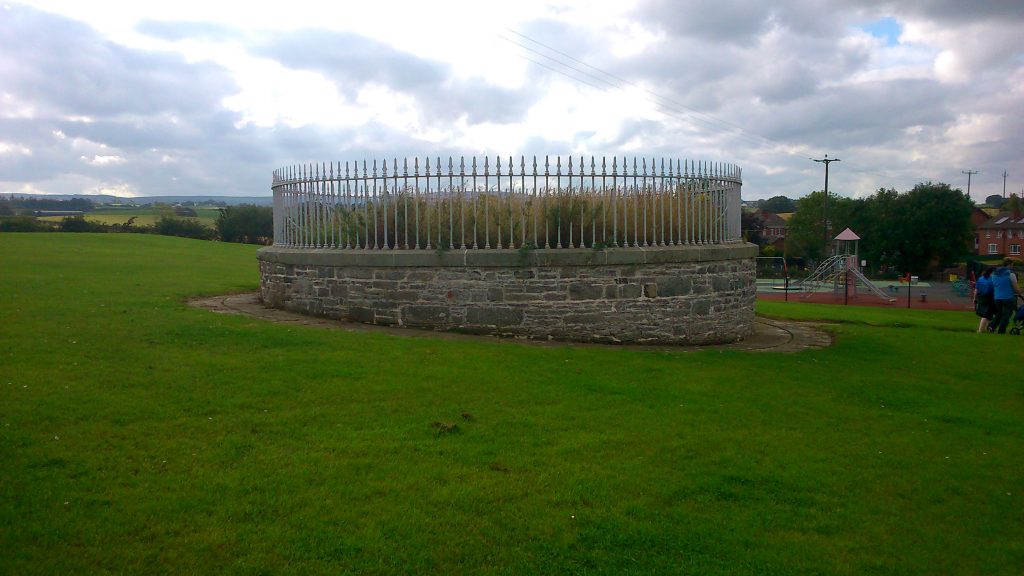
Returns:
(485,204)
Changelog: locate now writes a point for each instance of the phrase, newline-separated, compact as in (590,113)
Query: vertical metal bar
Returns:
(451,204)
(394,201)
(440,206)
(426,203)
(302,208)
(569,200)
(544,202)
(615,200)
(511,210)
(643,193)
(476,196)
(462,210)
(405,198)
(498,194)
(314,216)
(584,201)
(533,207)
(416,197)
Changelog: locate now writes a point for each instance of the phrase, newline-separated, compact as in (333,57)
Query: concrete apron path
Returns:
(769,335)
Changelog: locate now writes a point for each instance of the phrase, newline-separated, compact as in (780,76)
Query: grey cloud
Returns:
(61,64)
(350,60)
(862,114)
(958,11)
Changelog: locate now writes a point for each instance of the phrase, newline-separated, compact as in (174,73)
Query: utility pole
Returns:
(969,172)
(1004,184)
(826,161)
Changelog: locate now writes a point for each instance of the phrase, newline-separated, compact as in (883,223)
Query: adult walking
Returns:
(1005,292)
(984,303)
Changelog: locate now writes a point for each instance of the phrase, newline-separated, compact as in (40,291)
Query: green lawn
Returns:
(138,435)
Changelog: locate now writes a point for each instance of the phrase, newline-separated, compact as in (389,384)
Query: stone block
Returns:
(424,315)
(701,308)
(497,317)
(674,286)
(360,314)
(389,274)
(585,291)
(630,291)
(588,319)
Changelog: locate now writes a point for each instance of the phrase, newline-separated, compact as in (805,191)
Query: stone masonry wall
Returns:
(694,302)
(688,302)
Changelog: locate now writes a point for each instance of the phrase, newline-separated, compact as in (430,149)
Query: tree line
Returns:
(244,223)
(926,227)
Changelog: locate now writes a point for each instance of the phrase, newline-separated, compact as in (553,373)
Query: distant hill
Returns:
(108,199)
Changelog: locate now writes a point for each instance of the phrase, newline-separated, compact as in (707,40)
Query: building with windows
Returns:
(1002,234)
(773,230)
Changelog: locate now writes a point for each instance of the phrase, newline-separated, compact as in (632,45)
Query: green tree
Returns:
(932,224)
(752,225)
(184,227)
(995,201)
(778,204)
(246,223)
(875,219)
(806,235)
(1014,204)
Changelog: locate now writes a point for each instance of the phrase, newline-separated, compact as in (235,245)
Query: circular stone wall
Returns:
(657,295)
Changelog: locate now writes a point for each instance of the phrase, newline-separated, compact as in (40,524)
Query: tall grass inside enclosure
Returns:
(483,208)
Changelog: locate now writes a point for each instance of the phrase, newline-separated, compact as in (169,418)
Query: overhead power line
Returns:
(669,105)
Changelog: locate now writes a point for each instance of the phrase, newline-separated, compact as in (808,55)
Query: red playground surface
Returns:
(937,298)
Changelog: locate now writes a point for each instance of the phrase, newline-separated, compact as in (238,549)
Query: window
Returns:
(999,234)
(988,233)
(1015,249)
(992,249)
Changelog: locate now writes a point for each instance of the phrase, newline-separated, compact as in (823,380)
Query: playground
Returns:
(922,295)
(840,280)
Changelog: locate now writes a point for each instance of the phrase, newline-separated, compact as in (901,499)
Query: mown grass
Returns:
(140,435)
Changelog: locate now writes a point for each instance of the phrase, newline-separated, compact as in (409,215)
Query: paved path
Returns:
(769,335)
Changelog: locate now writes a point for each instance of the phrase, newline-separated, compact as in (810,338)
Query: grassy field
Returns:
(140,435)
(143,216)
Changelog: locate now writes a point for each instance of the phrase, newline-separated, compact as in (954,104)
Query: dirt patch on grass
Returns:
(769,335)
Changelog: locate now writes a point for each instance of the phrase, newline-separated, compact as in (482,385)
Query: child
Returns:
(984,305)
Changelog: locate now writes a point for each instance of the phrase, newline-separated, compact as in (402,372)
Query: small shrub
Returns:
(24,224)
(183,227)
(80,224)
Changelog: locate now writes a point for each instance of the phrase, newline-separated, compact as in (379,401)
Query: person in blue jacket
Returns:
(1005,292)
(984,305)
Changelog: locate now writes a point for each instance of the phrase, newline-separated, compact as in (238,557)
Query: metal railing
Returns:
(482,203)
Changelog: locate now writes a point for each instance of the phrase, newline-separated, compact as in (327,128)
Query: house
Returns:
(773,230)
(1002,234)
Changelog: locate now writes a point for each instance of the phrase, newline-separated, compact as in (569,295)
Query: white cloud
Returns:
(200,98)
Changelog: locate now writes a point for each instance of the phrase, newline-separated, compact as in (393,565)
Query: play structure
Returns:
(841,272)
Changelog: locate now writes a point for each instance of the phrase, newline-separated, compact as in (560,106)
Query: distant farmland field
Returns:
(143,216)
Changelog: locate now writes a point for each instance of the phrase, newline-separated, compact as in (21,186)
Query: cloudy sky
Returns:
(204,98)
